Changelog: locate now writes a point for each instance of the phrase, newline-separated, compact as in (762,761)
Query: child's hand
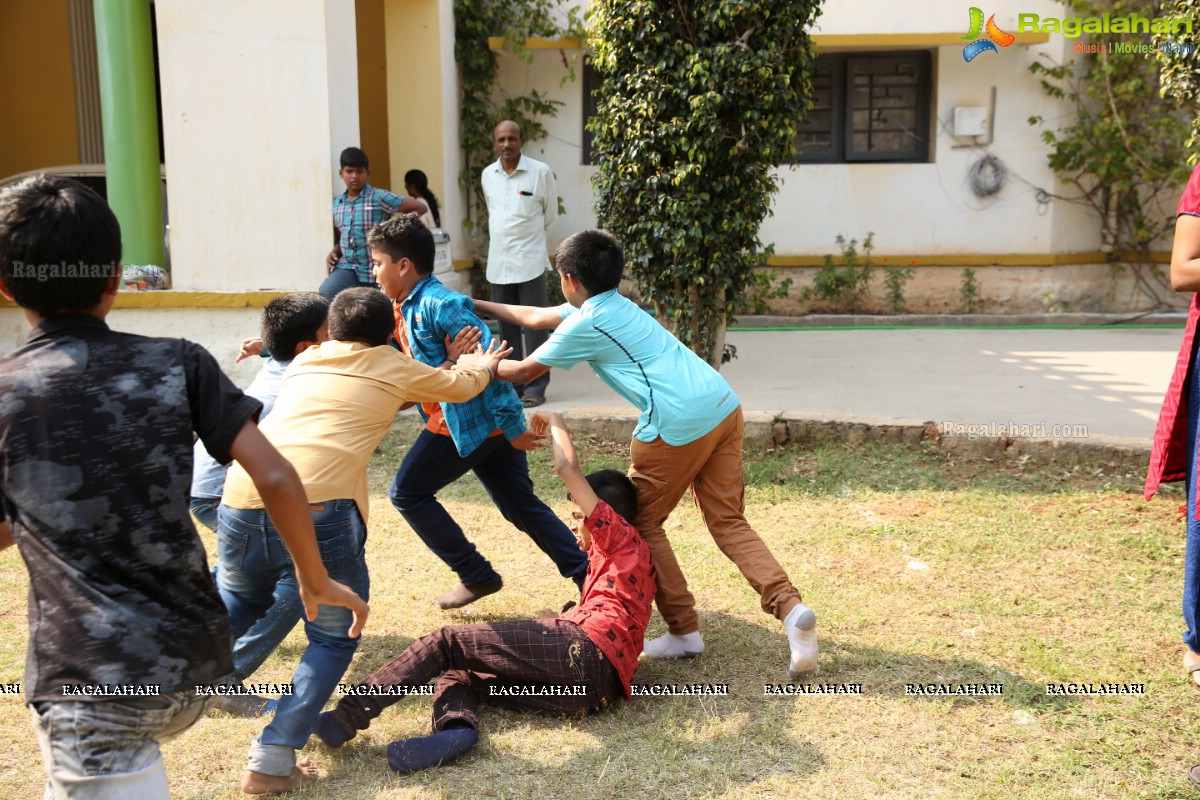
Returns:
(333,593)
(528,441)
(543,421)
(464,342)
(250,347)
(489,358)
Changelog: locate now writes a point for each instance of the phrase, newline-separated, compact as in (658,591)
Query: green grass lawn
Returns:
(921,569)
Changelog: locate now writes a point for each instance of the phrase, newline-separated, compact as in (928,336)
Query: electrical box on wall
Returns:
(970,121)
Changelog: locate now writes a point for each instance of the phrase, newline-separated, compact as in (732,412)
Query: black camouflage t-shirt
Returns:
(95,467)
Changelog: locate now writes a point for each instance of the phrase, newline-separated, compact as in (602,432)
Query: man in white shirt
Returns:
(522,203)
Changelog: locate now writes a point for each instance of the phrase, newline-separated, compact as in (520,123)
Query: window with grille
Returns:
(869,107)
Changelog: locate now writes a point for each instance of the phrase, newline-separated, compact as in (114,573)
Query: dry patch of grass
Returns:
(921,569)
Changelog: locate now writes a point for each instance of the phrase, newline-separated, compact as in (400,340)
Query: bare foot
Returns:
(304,773)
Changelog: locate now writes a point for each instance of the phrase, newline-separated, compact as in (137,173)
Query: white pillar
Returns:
(258,99)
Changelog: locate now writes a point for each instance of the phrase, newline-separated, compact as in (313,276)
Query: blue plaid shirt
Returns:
(354,219)
(431,311)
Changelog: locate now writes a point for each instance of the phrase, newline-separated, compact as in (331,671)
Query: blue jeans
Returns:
(1191,560)
(108,750)
(254,646)
(433,462)
(204,509)
(252,560)
(339,280)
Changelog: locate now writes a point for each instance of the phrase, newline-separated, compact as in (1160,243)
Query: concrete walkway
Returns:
(1089,382)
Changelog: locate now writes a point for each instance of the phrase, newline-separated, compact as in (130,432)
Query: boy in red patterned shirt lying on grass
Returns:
(575,664)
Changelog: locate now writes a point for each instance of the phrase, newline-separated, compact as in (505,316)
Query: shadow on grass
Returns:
(719,744)
(880,672)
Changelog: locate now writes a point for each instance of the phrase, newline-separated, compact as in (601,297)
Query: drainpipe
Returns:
(125,58)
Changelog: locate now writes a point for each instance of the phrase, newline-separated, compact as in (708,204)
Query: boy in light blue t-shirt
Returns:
(689,435)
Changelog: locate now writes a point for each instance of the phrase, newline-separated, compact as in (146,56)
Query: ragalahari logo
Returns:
(995,36)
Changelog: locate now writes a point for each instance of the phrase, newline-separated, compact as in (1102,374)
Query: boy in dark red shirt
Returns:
(574,664)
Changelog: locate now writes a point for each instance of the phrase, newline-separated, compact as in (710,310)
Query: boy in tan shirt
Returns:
(335,404)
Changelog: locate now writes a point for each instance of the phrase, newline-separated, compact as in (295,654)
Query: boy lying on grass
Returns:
(534,665)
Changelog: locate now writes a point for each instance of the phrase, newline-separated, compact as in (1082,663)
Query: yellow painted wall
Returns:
(37,89)
(372,90)
(414,88)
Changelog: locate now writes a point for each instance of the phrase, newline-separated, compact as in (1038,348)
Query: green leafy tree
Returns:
(698,103)
(1179,61)
(1121,149)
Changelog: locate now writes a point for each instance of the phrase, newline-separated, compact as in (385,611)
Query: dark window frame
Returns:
(591,86)
(839,67)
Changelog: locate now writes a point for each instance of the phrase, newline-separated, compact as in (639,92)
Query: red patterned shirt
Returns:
(1168,458)
(617,592)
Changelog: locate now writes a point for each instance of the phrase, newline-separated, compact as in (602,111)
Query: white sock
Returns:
(671,646)
(801,627)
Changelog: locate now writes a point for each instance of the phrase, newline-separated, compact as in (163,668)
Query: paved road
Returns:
(1109,380)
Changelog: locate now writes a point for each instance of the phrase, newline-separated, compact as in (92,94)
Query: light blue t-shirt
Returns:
(680,396)
(208,474)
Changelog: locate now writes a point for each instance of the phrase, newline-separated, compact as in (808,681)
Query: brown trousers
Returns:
(712,467)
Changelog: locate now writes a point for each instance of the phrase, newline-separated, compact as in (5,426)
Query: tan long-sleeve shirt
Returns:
(335,404)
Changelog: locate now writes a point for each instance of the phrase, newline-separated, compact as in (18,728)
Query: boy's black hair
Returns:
(595,257)
(420,182)
(361,315)
(60,244)
(354,157)
(291,319)
(404,236)
(614,487)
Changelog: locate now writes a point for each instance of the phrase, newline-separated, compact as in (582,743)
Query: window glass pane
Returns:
(815,133)
(888,107)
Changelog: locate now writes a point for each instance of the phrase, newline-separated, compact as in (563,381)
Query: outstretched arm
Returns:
(287,504)
(566,463)
(520,371)
(534,318)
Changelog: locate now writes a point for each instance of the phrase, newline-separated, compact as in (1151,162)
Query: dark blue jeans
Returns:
(1191,562)
(433,462)
(339,280)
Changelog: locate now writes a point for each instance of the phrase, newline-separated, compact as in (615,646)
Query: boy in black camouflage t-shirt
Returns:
(95,464)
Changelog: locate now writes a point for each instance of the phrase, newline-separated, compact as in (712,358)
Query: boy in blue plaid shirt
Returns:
(355,212)
(486,435)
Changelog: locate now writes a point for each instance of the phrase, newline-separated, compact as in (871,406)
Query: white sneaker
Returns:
(801,627)
(689,645)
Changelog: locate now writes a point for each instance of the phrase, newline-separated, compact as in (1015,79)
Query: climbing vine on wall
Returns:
(483,105)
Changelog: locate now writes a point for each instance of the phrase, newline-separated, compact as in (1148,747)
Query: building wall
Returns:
(414,85)
(372,91)
(249,125)
(37,89)
(818,201)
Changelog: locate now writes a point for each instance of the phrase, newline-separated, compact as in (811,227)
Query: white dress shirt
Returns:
(521,207)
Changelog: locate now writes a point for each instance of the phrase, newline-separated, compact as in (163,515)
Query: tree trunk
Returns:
(716,355)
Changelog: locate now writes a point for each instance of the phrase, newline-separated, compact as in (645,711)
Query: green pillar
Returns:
(125,54)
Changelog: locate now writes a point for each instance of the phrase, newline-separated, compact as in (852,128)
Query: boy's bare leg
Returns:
(303,774)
